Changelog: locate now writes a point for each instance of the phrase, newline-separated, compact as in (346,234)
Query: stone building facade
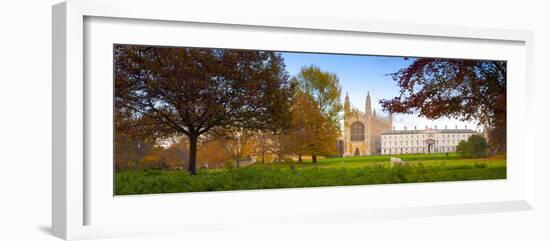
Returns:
(363,129)
(429,140)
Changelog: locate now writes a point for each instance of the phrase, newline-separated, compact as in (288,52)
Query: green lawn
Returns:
(327,172)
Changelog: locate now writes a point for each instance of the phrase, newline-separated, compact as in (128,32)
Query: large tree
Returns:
(312,131)
(469,90)
(316,111)
(304,115)
(192,91)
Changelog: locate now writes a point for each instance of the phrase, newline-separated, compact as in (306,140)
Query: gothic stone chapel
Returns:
(362,130)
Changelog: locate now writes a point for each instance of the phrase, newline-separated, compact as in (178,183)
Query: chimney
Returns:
(456,126)
(394,128)
(445,127)
(436,127)
(426,127)
(466,127)
(405,127)
(414,127)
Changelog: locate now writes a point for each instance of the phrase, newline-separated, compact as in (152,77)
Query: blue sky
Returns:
(360,74)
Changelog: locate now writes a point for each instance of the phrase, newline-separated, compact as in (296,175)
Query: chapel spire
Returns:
(368,108)
(347,105)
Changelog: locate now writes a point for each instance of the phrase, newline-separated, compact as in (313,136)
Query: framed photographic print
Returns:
(193,119)
(164,120)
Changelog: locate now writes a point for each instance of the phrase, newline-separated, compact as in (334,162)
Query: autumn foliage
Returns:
(469,90)
(179,108)
(189,108)
(170,91)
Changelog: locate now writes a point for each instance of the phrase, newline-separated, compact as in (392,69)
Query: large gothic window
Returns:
(357,131)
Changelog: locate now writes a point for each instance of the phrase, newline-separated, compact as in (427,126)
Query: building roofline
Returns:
(401,132)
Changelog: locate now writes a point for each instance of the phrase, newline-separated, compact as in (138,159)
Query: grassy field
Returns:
(327,172)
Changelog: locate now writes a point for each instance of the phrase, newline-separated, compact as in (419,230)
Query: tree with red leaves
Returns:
(468,90)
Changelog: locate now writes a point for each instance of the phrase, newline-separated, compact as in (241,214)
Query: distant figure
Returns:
(396,161)
(446,154)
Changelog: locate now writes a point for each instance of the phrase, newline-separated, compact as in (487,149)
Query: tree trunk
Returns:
(237,159)
(263,158)
(300,158)
(192,168)
(314,158)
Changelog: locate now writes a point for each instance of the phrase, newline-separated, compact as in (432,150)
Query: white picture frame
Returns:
(74,199)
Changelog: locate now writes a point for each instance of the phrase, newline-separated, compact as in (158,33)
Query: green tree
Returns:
(476,146)
(324,88)
(316,111)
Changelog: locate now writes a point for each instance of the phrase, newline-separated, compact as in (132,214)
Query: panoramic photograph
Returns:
(190,119)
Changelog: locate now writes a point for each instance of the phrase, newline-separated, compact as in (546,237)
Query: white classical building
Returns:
(429,140)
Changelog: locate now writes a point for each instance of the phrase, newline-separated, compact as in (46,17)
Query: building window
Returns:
(357,131)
